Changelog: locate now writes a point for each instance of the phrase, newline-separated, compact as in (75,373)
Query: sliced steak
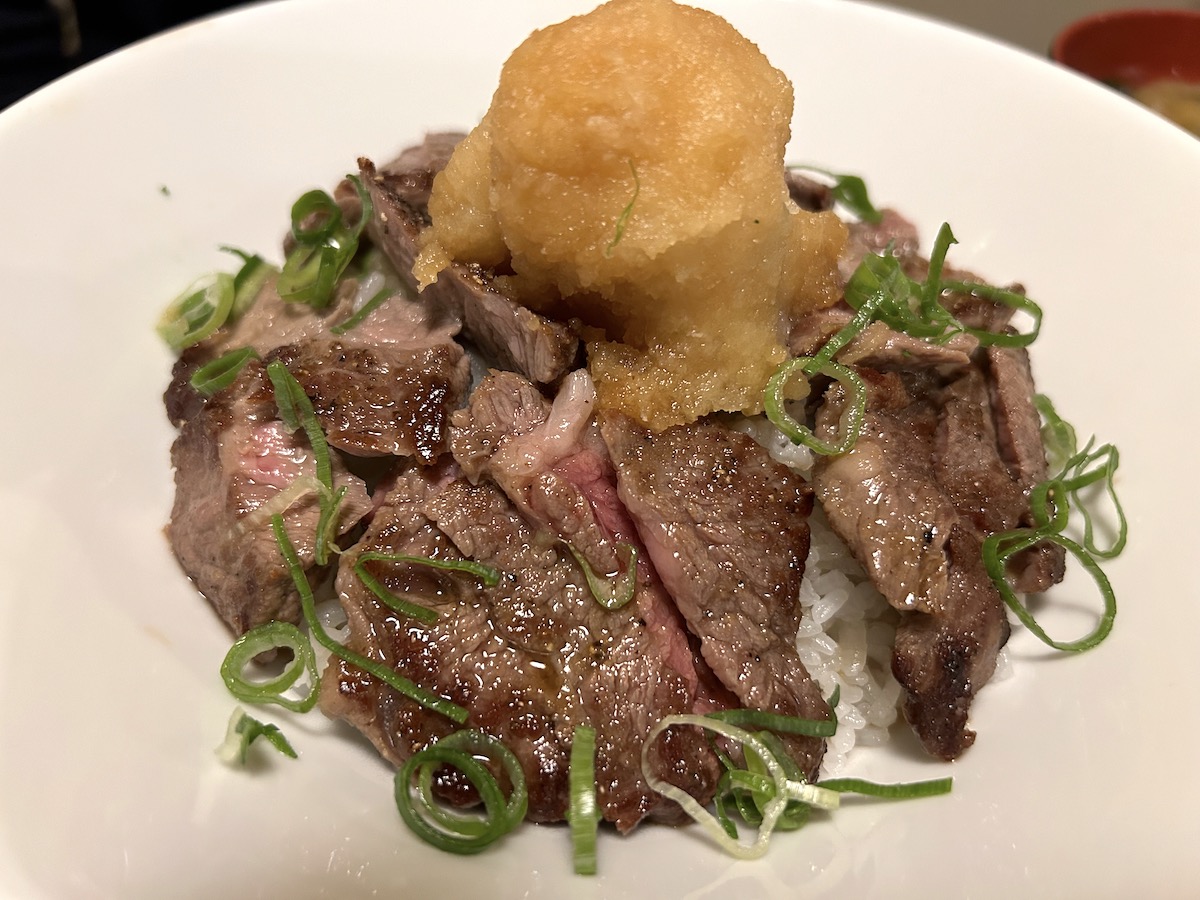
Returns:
(551,463)
(412,172)
(727,529)
(881,497)
(505,333)
(807,193)
(877,346)
(530,659)
(944,658)
(230,458)
(380,400)
(271,322)
(925,483)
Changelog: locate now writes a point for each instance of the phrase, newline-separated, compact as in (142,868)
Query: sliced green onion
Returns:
(221,372)
(264,638)
(243,731)
(197,312)
(323,250)
(1058,435)
(611,592)
(323,209)
(1051,504)
(1007,298)
(296,411)
(453,831)
(998,548)
(852,415)
(850,191)
(911,790)
(582,813)
(782,790)
(327,524)
(623,218)
(489,576)
(762,720)
(397,682)
(1078,474)
(249,280)
(283,500)
(384,294)
(479,743)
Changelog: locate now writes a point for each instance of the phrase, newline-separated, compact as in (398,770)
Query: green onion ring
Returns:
(356,318)
(852,416)
(479,743)
(785,790)
(610,592)
(221,372)
(272,636)
(997,549)
(582,812)
(760,719)
(489,576)
(197,312)
(471,841)
(911,790)
(315,202)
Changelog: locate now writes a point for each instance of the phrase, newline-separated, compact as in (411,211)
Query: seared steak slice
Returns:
(271,322)
(530,659)
(942,659)
(877,346)
(1018,432)
(550,461)
(413,171)
(230,458)
(504,332)
(727,529)
(881,497)
(926,482)
(380,400)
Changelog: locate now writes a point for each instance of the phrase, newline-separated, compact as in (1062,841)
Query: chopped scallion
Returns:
(323,248)
(1051,504)
(262,639)
(774,402)
(221,372)
(243,731)
(453,831)
(296,412)
(763,720)
(613,592)
(623,218)
(489,576)
(197,312)
(582,812)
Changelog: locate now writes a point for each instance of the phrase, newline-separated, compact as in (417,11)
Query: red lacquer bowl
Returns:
(1132,47)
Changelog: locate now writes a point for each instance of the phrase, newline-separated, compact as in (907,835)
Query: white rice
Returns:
(847,628)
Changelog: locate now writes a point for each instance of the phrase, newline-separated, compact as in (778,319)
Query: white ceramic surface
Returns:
(120,182)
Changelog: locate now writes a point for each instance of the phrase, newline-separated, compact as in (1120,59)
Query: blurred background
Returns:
(43,39)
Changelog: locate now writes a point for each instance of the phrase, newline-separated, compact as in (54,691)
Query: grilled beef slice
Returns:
(230,458)
(934,471)
(531,659)
(550,461)
(727,529)
(504,332)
